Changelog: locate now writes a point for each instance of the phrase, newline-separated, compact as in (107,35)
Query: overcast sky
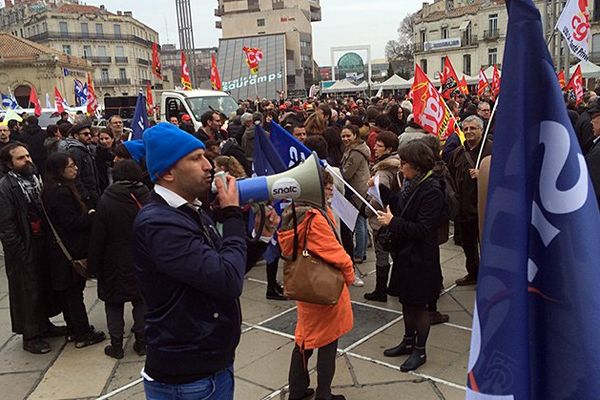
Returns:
(345,22)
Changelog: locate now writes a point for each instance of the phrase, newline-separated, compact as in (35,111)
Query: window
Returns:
(253,5)
(493,23)
(85,29)
(64,28)
(104,75)
(99,30)
(469,39)
(117,29)
(442,64)
(260,22)
(423,65)
(467,64)
(102,51)
(423,36)
(492,56)
(87,51)
(122,73)
(66,49)
(119,51)
(444,33)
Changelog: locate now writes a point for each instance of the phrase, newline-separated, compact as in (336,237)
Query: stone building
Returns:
(24,64)
(118,46)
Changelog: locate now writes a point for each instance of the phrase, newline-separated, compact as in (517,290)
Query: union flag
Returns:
(186,79)
(215,77)
(561,79)
(483,83)
(92,103)
(575,87)
(58,100)
(253,57)
(464,88)
(496,82)
(449,80)
(156,66)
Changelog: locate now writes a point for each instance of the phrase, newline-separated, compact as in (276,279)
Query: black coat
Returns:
(110,254)
(73,224)
(104,162)
(87,175)
(416,273)
(33,136)
(24,258)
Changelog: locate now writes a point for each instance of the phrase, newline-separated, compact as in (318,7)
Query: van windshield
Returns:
(224,104)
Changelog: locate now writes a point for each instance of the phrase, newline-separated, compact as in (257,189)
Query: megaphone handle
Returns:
(331,171)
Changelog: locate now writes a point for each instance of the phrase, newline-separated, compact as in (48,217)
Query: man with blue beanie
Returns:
(190,276)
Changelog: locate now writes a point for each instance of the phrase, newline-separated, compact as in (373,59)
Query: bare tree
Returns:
(399,52)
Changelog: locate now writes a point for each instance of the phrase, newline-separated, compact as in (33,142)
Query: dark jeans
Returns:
(73,308)
(219,386)
(470,244)
(347,237)
(116,323)
(299,379)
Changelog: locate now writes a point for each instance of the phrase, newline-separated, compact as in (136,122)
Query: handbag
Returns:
(308,278)
(80,266)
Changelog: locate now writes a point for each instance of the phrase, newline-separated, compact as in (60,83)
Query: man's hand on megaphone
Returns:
(227,194)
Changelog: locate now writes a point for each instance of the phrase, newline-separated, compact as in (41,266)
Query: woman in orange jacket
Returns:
(318,326)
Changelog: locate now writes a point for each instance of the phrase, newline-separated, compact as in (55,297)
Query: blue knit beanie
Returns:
(136,149)
(165,145)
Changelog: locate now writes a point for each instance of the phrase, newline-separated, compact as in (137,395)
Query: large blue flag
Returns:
(9,102)
(536,327)
(139,123)
(291,150)
(266,159)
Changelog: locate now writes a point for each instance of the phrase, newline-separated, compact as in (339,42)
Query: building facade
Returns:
(118,46)
(282,25)
(170,57)
(472,34)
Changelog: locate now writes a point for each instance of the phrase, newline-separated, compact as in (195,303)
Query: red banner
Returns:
(149,99)
(561,79)
(575,87)
(253,57)
(496,82)
(215,77)
(464,88)
(483,83)
(429,109)
(449,80)
(156,67)
(33,99)
(59,101)
(186,79)
(92,103)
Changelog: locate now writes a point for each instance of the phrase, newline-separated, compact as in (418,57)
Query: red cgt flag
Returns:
(215,77)
(92,103)
(186,79)
(483,83)
(449,80)
(464,88)
(59,101)
(575,87)
(33,99)
(253,57)
(156,67)
(429,109)
(149,100)
(561,79)
(496,82)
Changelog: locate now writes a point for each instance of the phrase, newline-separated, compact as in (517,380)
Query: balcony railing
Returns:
(143,61)
(113,82)
(121,60)
(99,59)
(491,34)
(88,36)
(468,41)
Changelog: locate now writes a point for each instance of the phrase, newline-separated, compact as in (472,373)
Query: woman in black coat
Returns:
(413,217)
(398,116)
(110,257)
(104,157)
(72,221)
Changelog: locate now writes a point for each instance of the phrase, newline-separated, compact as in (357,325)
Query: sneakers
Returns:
(466,280)
(90,338)
(416,359)
(436,317)
(36,346)
(405,347)
(358,282)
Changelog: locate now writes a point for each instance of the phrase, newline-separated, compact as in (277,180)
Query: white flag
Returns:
(344,209)
(574,25)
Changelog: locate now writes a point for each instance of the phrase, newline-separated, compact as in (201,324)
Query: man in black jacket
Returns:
(33,136)
(78,147)
(463,169)
(23,235)
(190,276)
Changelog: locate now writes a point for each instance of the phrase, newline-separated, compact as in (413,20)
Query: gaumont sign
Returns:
(442,44)
(251,80)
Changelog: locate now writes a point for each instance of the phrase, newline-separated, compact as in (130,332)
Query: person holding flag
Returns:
(534,335)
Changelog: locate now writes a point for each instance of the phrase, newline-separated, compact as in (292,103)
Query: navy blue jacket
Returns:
(191,279)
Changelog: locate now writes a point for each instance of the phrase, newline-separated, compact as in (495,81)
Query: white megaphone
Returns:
(302,183)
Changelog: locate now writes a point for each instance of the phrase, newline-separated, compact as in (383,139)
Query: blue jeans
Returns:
(362,237)
(216,387)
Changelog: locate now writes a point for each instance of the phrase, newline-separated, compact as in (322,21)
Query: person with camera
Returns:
(190,276)
(413,217)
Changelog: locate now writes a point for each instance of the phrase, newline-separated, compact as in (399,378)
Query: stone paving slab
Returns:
(18,385)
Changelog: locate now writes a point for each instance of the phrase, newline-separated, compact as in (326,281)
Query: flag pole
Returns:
(334,173)
(487,131)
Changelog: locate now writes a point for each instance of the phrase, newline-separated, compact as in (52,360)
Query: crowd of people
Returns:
(146,219)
